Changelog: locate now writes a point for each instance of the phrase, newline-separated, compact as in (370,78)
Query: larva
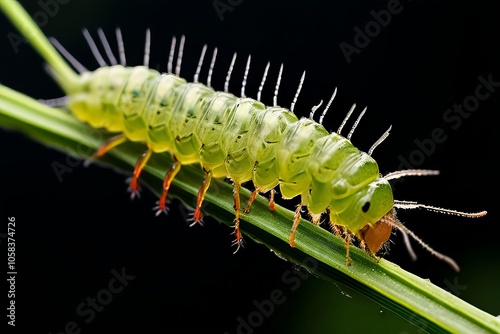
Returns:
(239,138)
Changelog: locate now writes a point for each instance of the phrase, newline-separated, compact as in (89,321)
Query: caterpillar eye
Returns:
(365,207)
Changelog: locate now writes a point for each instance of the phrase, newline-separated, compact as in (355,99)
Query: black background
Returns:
(72,234)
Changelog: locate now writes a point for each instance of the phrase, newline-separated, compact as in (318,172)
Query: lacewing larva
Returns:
(229,136)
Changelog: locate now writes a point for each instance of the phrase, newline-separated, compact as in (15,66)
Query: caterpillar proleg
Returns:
(235,137)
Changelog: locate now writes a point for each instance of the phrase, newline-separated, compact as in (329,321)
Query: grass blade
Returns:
(407,295)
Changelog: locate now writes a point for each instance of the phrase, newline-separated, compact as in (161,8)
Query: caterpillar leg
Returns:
(253,196)
(201,196)
(347,244)
(139,166)
(315,218)
(336,231)
(296,221)
(169,176)
(342,232)
(237,206)
(271,199)
(108,145)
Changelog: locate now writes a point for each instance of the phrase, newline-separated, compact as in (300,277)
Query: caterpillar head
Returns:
(370,214)
(364,212)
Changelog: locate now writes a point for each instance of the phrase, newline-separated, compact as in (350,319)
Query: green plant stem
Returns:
(409,296)
(18,16)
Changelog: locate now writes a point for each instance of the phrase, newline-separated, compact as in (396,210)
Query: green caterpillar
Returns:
(235,137)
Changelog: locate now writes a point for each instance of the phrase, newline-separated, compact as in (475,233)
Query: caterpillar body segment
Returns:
(236,137)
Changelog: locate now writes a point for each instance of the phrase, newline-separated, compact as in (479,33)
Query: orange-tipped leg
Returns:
(108,145)
(201,196)
(239,239)
(172,172)
(271,200)
(253,196)
(139,166)
(296,221)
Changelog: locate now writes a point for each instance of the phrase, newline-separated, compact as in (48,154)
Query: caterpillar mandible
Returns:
(235,137)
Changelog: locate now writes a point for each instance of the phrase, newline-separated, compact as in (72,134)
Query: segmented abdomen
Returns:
(239,138)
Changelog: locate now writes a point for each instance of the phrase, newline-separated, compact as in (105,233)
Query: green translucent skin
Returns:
(239,138)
